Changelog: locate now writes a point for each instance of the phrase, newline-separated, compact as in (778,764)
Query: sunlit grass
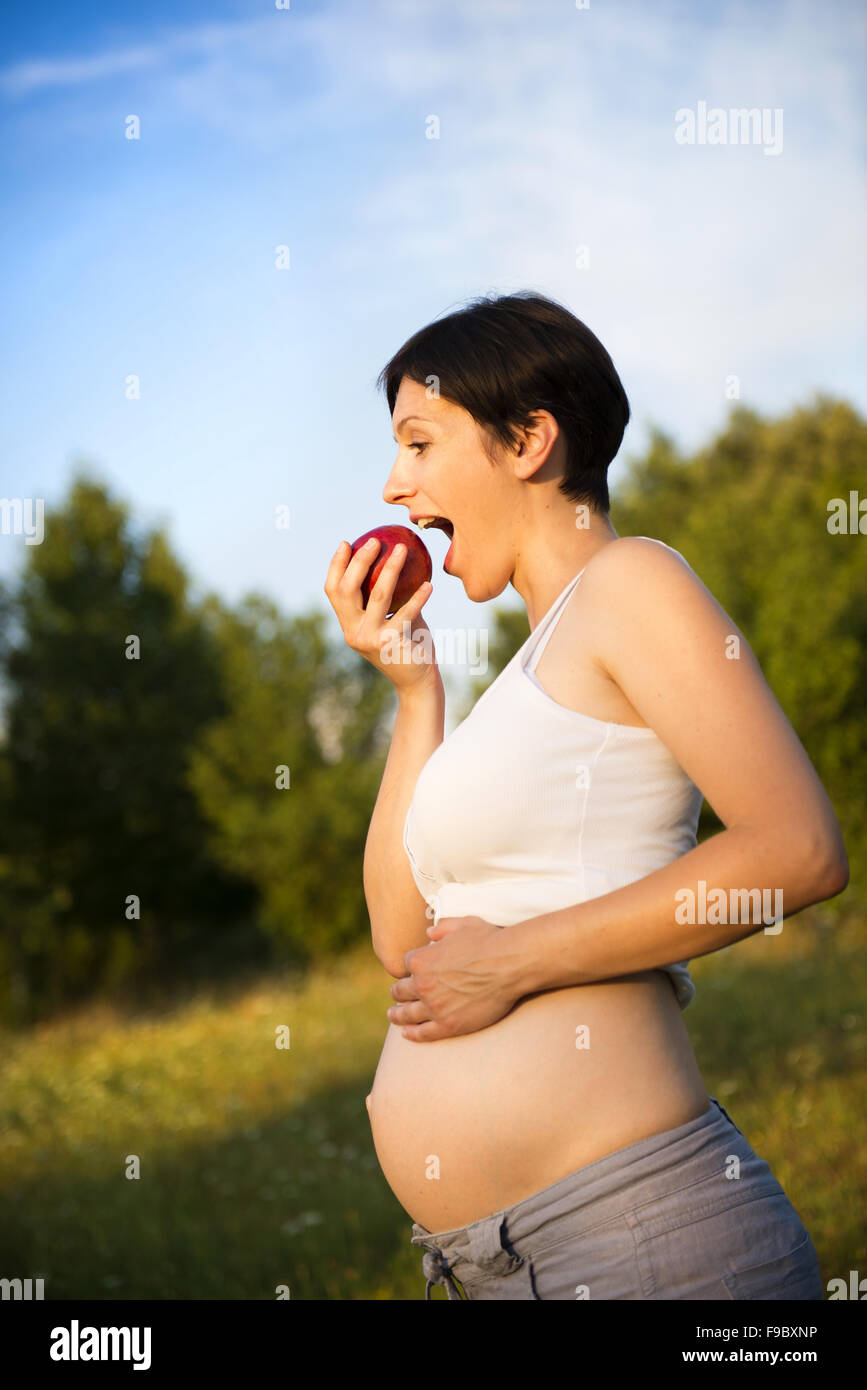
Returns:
(257,1165)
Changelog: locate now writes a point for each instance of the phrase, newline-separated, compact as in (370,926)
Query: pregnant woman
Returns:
(533,880)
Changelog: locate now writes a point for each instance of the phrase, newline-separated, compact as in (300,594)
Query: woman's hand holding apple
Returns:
(366,627)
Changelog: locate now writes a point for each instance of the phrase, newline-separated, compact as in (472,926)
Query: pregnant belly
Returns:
(467,1126)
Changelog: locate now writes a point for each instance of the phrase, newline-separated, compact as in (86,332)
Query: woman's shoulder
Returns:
(636,552)
(637,584)
(631,565)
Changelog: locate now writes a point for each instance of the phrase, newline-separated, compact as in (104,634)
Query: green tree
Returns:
(288,777)
(750,514)
(110,673)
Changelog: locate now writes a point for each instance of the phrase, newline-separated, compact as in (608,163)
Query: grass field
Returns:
(257,1167)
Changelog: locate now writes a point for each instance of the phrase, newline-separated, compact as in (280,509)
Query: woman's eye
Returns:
(419,445)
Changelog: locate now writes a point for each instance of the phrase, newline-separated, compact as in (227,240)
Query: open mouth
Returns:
(442,523)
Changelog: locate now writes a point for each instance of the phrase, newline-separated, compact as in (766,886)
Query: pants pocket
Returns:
(756,1248)
(795,1275)
(595,1264)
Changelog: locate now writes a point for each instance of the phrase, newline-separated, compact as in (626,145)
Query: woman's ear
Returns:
(536,443)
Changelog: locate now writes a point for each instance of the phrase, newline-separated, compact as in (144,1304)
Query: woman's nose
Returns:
(397,484)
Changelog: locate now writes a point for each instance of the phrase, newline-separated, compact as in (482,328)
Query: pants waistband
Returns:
(601,1190)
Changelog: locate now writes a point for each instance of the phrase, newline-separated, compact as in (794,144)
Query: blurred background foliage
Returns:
(160,777)
(157,777)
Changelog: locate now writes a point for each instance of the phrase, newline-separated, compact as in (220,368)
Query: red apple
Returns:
(416,568)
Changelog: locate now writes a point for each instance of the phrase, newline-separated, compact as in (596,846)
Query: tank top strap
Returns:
(539,637)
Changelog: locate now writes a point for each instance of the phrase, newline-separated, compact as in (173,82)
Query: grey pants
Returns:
(691,1213)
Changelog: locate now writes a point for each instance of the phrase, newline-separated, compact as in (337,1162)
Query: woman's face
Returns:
(442,470)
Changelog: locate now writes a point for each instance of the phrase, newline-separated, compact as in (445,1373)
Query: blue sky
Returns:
(306,127)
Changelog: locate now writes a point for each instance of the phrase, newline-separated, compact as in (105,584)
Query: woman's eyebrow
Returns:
(406,419)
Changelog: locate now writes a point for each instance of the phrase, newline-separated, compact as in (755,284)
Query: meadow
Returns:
(257,1167)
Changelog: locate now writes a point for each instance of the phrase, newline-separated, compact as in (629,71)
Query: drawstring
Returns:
(436,1271)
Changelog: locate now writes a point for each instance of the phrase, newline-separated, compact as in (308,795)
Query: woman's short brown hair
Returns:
(502,357)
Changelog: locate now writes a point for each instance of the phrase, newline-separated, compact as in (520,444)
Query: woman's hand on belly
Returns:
(458,984)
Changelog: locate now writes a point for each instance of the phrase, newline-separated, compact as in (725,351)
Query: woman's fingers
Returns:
(344,580)
(335,581)
(414,604)
(380,603)
(349,583)
(337,567)
(403,1014)
(444,925)
(404,990)
(367,630)
(380,594)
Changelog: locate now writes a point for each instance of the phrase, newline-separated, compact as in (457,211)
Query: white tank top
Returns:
(528,806)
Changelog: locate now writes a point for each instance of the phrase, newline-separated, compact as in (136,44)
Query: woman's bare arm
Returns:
(398,915)
(690,673)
